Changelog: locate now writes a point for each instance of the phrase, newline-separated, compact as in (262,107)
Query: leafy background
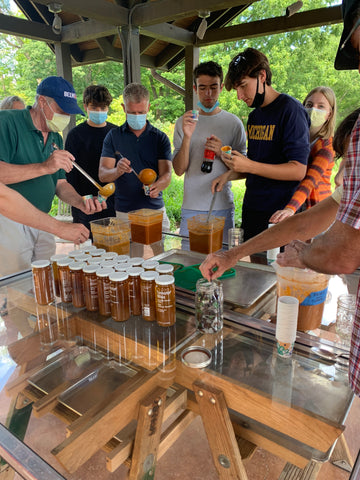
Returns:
(300,61)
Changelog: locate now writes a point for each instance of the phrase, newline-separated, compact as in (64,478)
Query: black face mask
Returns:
(259,97)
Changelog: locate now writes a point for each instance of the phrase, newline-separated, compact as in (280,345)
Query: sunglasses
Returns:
(237,60)
(356,25)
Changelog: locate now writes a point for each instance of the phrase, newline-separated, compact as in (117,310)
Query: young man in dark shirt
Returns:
(85,143)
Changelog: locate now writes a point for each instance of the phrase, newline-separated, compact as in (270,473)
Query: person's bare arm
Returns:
(17,208)
(336,251)
(109,170)
(302,226)
(181,159)
(163,180)
(289,171)
(11,173)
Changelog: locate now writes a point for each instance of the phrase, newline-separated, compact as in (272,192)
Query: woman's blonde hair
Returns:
(328,129)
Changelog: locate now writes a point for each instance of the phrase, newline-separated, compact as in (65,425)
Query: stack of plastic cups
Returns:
(286,325)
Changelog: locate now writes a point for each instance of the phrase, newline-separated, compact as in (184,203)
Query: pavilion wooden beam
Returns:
(24,28)
(272,26)
(169,10)
(96,56)
(92,29)
(100,10)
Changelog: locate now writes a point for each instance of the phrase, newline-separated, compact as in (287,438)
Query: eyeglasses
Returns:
(356,25)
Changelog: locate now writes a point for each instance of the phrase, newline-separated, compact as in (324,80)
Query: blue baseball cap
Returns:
(347,57)
(62,92)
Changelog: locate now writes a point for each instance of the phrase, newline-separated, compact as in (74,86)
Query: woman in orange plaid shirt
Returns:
(320,104)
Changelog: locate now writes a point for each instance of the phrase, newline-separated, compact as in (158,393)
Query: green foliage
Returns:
(300,60)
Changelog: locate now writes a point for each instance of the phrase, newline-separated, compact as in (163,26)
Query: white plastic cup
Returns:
(235,237)
(286,324)
(273,252)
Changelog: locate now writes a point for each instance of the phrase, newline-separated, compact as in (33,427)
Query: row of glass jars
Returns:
(116,289)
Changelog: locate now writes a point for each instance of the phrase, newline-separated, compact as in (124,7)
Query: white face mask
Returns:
(59,121)
(317,116)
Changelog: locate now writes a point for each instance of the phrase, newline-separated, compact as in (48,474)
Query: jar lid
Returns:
(123,258)
(196,357)
(165,268)
(109,255)
(149,275)
(135,271)
(122,267)
(58,256)
(94,261)
(90,248)
(91,268)
(164,280)
(64,262)
(104,272)
(40,263)
(98,252)
(82,258)
(150,264)
(118,277)
(108,263)
(135,261)
(77,265)
(75,253)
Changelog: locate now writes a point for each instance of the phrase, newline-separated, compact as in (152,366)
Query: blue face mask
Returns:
(205,109)
(97,117)
(136,122)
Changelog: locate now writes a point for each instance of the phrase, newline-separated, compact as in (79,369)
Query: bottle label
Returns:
(315,298)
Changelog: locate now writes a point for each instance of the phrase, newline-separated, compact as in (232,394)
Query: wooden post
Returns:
(220,433)
(147,436)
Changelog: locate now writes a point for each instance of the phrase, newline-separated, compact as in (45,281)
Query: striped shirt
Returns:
(349,213)
(316,185)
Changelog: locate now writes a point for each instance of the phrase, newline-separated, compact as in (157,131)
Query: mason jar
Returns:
(209,302)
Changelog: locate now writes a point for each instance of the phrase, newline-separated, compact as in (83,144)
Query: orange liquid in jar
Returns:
(65,280)
(206,242)
(43,282)
(119,296)
(91,288)
(77,284)
(134,290)
(165,300)
(147,289)
(104,290)
(146,234)
(54,265)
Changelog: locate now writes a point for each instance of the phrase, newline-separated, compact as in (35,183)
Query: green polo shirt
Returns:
(22,144)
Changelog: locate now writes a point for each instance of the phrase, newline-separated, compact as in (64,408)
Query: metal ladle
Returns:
(211,207)
(106,190)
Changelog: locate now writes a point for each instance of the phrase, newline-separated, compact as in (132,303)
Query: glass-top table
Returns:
(77,364)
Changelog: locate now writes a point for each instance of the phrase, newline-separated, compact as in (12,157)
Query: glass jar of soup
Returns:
(77,284)
(91,288)
(165,269)
(119,296)
(165,300)
(104,290)
(43,282)
(53,261)
(134,290)
(147,289)
(64,279)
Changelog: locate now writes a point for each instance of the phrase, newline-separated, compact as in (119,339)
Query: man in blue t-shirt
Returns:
(132,147)
(278,142)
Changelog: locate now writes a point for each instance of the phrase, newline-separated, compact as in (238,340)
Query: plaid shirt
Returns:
(349,213)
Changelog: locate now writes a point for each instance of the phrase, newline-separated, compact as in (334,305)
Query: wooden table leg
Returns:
(220,432)
(147,437)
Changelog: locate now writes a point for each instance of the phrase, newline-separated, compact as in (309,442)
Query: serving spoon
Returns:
(105,191)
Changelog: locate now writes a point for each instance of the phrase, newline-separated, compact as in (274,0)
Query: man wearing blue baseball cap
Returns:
(337,250)
(33,162)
